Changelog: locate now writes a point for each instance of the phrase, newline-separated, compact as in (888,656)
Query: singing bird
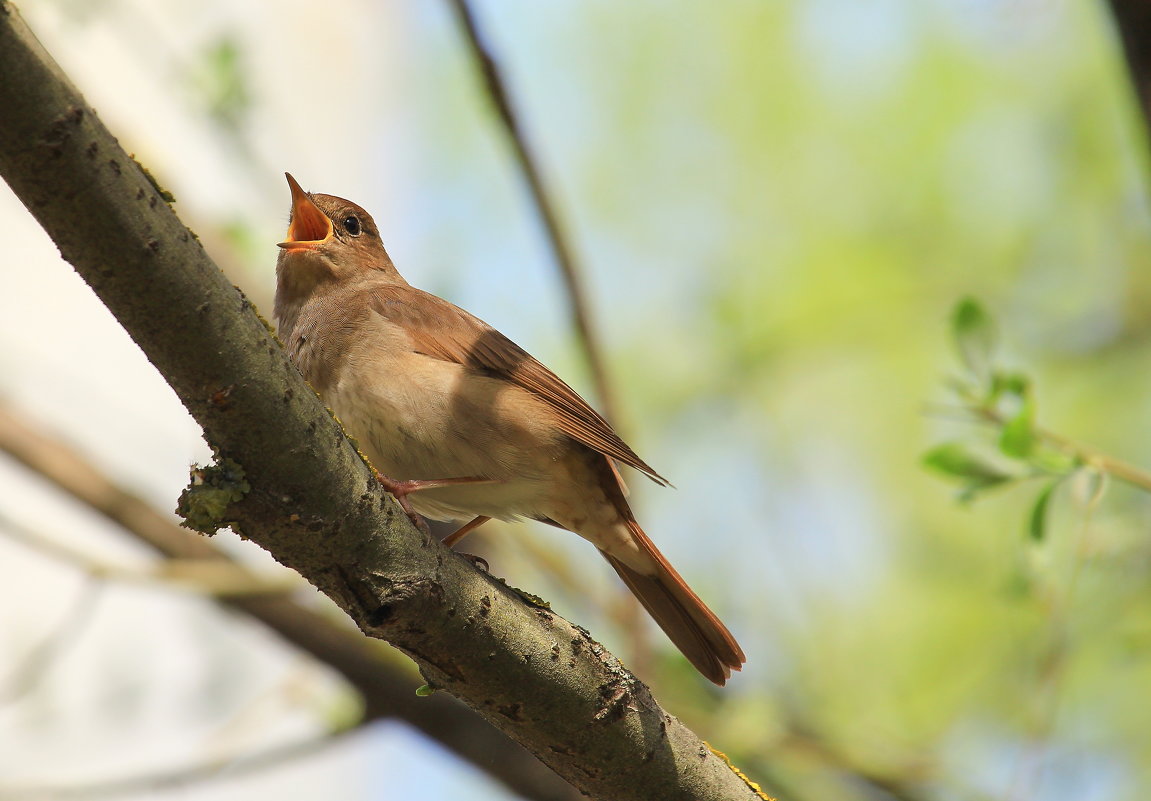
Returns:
(460,422)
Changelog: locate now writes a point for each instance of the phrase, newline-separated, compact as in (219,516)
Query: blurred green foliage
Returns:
(219,81)
(790,200)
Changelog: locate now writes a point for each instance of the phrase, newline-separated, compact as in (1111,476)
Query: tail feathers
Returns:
(686,620)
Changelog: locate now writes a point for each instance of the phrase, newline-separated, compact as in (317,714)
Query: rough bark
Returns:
(287,478)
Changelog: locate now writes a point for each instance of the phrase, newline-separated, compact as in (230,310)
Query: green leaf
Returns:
(954,459)
(425,690)
(1047,460)
(1017,440)
(972,489)
(974,333)
(220,81)
(1016,384)
(1037,521)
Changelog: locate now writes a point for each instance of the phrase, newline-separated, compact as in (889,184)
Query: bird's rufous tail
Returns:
(686,620)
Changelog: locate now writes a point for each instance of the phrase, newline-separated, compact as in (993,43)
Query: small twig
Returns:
(32,669)
(951,413)
(1117,468)
(561,247)
(259,712)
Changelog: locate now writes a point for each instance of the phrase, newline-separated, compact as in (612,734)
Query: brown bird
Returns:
(465,424)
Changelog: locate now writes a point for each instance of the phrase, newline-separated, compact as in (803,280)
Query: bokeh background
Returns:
(775,207)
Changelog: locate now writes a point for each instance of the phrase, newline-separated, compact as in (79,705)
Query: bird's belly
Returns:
(429,419)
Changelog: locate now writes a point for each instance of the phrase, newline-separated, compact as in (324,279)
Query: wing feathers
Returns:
(444,331)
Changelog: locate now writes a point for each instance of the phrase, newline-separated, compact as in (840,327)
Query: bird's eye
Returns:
(352,224)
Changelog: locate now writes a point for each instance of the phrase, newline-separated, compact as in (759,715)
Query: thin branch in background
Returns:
(557,238)
(216,577)
(628,616)
(214,770)
(903,784)
(37,661)
(264,711)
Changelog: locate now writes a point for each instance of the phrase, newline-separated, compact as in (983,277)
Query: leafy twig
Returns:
(1004,400)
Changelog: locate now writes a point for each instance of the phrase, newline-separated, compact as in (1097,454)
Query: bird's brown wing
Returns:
(442,330)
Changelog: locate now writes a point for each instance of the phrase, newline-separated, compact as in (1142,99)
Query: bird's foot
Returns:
(463,531)
(477,561)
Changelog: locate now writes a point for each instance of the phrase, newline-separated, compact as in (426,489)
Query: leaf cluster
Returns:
(1003,399)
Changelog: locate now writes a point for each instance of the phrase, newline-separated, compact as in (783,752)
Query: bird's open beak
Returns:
(309,226)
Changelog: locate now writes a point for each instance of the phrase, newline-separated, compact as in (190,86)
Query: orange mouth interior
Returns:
(309,225)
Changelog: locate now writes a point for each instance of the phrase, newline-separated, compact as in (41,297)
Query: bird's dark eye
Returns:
(352,224)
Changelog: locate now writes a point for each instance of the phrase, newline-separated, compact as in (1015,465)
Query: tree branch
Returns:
(1133,24)
(288,479)
(556,238)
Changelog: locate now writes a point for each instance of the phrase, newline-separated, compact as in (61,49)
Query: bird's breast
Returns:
(419,417)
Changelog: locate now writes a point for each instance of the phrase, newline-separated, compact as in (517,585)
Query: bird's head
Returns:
(329,238)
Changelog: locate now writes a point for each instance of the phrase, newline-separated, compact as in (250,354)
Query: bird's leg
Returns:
(402,489)
(464,530)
